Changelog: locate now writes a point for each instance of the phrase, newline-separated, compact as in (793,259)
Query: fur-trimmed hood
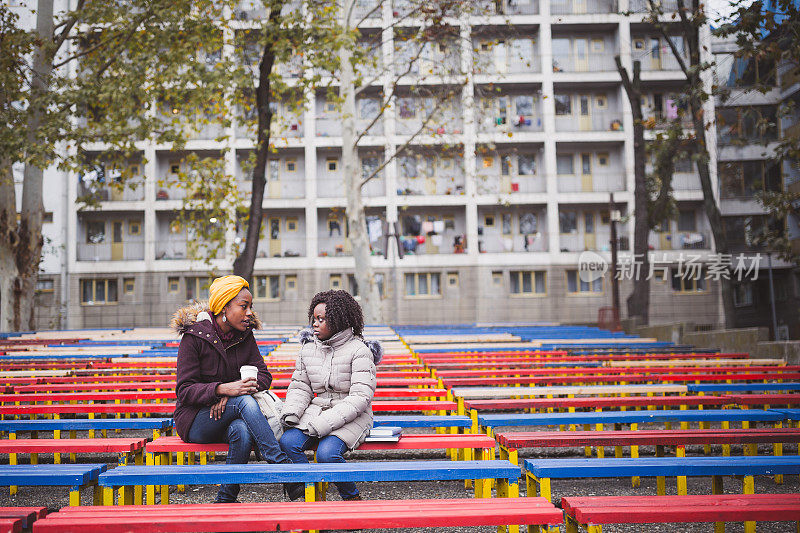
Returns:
(187,316)
(307,335)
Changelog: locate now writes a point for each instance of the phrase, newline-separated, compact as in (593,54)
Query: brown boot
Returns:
(356,498)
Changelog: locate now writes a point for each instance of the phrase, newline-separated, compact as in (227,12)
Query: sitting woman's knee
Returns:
(237,431)
(331,450)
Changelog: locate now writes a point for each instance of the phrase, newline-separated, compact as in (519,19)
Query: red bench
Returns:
(25,515)
(765,399)
(303,516)
(541,372)
(128,449)
(516,404)
(618,378)
(593,512)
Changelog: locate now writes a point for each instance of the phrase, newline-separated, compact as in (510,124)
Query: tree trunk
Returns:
(639,300)
(243,265)
(8,243)
(356,218)
(24,241)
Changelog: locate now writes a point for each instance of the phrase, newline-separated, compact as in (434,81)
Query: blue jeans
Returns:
(242,426)
(330,449)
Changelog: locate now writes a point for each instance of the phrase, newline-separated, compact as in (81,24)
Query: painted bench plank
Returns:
(309,473)
(14,426)
(515,404)
(431,421)
(117,445)
(510,392)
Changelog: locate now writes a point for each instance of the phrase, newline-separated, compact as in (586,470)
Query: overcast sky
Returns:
(721,8)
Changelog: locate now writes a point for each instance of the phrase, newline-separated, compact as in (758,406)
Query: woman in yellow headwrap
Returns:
(214,402)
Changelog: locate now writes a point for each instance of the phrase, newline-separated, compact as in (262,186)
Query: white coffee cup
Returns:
(249,371)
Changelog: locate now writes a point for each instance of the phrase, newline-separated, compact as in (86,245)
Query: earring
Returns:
(224,318)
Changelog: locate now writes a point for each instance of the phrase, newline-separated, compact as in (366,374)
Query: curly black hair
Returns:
(341,311)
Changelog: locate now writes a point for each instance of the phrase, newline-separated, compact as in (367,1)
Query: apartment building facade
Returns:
(496,204)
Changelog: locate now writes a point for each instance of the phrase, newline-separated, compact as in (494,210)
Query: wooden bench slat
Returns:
(11,525)
(27,514)
(309,515)
(532,439)
(116,445)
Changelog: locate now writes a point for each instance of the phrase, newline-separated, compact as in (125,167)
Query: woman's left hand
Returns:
(219,408)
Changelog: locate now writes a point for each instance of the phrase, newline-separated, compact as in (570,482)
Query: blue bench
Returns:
(74,476)
(157,425)
(539,472)
(422,421)
(745,416)
(742,387)
(483,472)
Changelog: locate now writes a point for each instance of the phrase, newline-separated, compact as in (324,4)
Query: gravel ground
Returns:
(56,497)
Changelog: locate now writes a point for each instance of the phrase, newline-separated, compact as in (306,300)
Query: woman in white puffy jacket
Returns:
(328,404)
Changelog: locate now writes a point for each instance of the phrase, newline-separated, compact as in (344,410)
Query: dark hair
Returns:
(341,311)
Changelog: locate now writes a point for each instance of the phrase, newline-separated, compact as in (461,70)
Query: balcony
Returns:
(131,191)
(582,7)
(422,60)
(589,62)
(422,174)
(498,56)
(682,240)
(511,113)
(509,173)
(508,7)
(284,235)
(122,251)
(330,176)
(429,233)
(612,181)
(332,232)
(663,61)
(643,6)
(596,121)
(285,174)
(513,230)
(581,230)
(438,117)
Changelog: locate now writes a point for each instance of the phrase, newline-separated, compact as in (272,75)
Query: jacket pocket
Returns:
(209,365)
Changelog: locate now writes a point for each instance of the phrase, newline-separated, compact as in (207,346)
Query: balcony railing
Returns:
(485,64)
(580,7)
(512,124)
(680,240)
(591,62)
(595,182)
(597,121)
(486,184)
(579,242)
(167,249)
(498,243)
(444,185)
(332,127)
(686,181)
(106,193)
(643,6)
(125,251)
(335,188)
(666,61)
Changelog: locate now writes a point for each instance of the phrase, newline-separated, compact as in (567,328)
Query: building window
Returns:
(134,227)
(291,283)
(128,286)
(563,104)
(526,165)
(353,285)
(575,285)
(268,287)
(686,220)
(335,282)
(95,232)
(98,291)
(743,294)
(45,285)
(423,284)
(173,285)
(291,165)
(527,282)
(568,221)
(197,288)
(602,159)
(565,165)
(497,278)
(47,218)
(488,221)
(291,224)
(452,279)
(685,281)
(332,164)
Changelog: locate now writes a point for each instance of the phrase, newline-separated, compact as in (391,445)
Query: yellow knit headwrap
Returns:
(222,291)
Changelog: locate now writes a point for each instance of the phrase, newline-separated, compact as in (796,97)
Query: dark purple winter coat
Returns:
(203,362)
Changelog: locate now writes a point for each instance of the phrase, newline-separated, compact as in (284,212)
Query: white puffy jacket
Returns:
(332,387)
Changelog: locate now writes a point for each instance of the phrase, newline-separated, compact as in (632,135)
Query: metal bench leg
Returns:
(97,495)
(571,524)
(726,448)
(311,493)
(75,497)
(635,480)
(661,481)
(180,460)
